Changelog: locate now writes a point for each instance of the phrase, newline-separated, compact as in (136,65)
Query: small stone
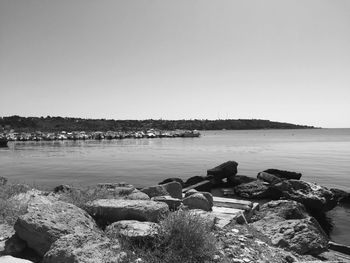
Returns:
(216,258)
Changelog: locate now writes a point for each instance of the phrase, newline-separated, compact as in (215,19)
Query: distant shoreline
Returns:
(58,124)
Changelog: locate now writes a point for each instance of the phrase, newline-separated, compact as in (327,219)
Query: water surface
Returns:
(321,155)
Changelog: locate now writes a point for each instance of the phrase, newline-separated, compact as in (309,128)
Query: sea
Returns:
(321,155)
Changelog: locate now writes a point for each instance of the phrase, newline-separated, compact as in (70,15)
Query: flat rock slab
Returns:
(225,215)
(84,248)
(112,210)
(233,203)
(45,223)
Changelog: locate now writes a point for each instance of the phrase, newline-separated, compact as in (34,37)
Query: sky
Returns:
(285,60)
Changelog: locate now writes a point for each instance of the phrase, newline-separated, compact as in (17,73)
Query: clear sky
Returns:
(279,60)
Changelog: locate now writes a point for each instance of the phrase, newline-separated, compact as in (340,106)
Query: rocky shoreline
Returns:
(69,224)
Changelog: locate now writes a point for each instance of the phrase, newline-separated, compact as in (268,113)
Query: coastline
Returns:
(241,192)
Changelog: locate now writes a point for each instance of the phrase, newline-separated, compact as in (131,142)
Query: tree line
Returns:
(53,124)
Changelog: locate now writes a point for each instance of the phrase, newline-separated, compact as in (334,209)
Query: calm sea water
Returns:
(321,155)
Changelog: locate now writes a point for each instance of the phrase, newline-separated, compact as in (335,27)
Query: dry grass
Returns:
(81,196)
(9,211)
(183,237)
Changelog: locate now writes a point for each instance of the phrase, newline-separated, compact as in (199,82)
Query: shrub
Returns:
(183,237)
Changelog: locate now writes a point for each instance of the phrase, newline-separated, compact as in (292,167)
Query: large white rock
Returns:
(112,210)
(46,222)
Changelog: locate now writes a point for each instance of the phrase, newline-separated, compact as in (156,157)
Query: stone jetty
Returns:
(96,135)
(88,225)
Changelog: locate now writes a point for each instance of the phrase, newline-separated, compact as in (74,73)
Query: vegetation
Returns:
(51,124)
(183,237)
(9,212)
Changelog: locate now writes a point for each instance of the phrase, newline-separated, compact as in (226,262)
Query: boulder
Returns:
(342,196)
(46,221)
(155,190)
(173,203)
(256,190)
(133,230)
(269,178)
(235,180)
(173,179)
(174,189)
(284,174)
(207,195)
(303,236)
(286,209)
(287,224)
(224,170)
(3,180)
(137,195)
(197,201)
(112,210)
(10,259)
(88,247)
(314,197)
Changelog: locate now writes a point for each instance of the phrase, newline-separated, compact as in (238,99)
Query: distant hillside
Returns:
(77,124)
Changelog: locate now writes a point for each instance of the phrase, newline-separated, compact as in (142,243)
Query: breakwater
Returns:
(96,135)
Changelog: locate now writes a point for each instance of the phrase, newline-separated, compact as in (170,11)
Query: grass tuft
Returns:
(183,237)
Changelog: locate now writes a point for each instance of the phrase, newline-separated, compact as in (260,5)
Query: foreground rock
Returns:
(287,225)
(46,222)
(112,210)
(256,190)
(314,197)
(133,230)
(284,174)
(84,248)
(10,259)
